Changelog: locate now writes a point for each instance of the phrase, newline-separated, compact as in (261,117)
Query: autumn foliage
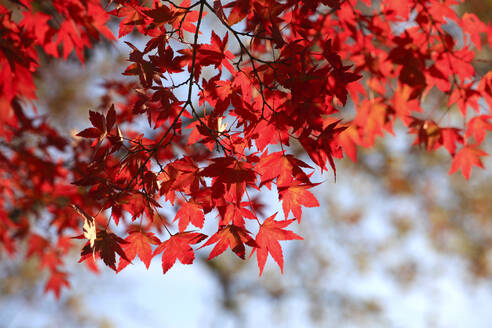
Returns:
(223,111)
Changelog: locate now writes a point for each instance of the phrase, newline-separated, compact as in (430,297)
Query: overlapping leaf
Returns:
(177,247)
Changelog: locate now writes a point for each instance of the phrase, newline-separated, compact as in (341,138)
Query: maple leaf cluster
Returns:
(284,75)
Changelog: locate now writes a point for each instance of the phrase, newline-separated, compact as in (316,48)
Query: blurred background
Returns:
(397,242)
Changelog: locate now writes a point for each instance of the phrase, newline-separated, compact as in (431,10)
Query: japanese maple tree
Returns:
(223,110)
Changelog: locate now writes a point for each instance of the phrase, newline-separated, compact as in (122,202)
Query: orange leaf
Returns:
(467,157)
(138,244)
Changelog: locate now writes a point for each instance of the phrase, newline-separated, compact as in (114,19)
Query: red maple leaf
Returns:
(51,260)
(57,281)
(183,19)
(466,158)
(36,245)
(178,248)
(189,212)
(283,167)
(102,125)
(69,34)
(216,54)
(229,172)
(478,127)
(270,233)
(295,196)
(132,16)
(106,245)
(450,137)
(235,214)
(230,236)
(239,11)
(180,175)
(139,243)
